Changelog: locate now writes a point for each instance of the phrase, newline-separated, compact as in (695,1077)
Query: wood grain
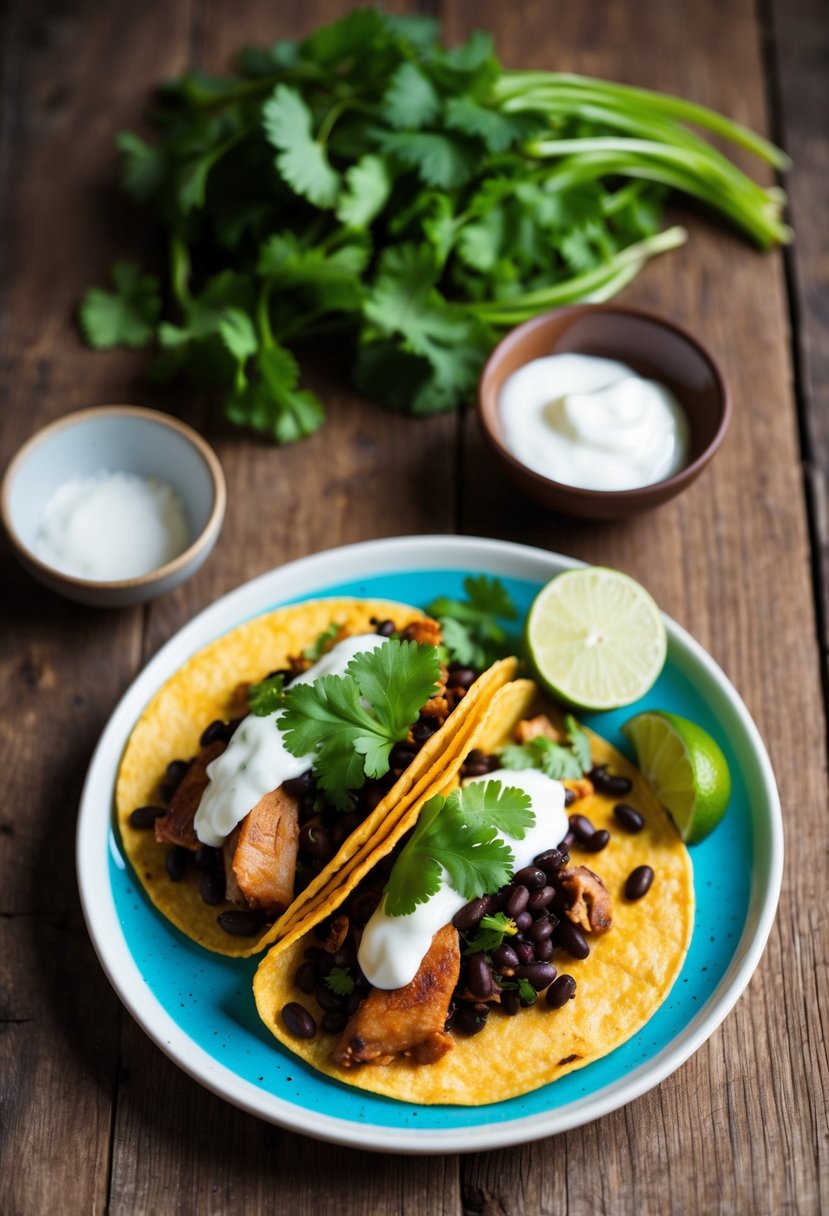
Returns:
(100,1118)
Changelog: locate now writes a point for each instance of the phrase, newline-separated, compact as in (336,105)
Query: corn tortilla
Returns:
(201,691)
(627,976)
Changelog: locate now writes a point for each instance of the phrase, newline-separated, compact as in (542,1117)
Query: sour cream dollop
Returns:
(256,760)
(393,947)
(593,423)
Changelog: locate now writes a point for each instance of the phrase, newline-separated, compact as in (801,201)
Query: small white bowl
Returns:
(120,438)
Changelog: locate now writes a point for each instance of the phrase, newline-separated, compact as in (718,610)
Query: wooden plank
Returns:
(366,474)
(741,1127)
(71,79)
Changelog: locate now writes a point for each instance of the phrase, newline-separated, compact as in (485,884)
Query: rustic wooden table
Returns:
(94,1117)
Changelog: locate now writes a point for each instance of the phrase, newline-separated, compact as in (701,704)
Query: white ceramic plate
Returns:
(198,1007)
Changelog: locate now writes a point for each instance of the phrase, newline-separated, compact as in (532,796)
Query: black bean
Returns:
(423,730)
(143,817)
(385,628)
(241,922)
(496,901)
(315,841)
(176,862)
(525,952)
(166,791)
(232,726)
(523,921)
(628,817)
(569,797)
(531,877)
(470,914)
(212,733)
(505,957)
(540,975)
(510,1002)
(598,841)
(306,976)
(544,950)
(550,861)
(517,900)
(460,677)
(299,786)
(581,827)
(639,882)
(479,977)
(333,1023)
(475,768)
(212,886)
(205,857)
(572,940)
(609,783)
(328,999)
(177,770)
(355,1000)
(298,1021)
(566,844)
(541,929)
(469,1019)
(362,907)
(561,991)
(541,899)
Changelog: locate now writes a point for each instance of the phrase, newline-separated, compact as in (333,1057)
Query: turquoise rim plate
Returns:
(198,1007)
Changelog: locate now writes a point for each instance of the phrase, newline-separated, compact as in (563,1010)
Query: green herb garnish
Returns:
(492,930)
(368,182)
(266,697)
(350,723)
(339,980)
(458,835)
(559,761)
(473,632)
(524,988)
(322,644)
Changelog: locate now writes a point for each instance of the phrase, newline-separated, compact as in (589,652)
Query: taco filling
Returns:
(484,919)
(300,760)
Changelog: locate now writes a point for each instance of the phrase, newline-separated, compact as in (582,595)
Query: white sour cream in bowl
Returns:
(593,423)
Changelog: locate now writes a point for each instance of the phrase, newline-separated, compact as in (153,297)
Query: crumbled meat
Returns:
(590,905)
(423,630)
(582,788)
(408,1020)
(533,728)
(336,934)
(238,704)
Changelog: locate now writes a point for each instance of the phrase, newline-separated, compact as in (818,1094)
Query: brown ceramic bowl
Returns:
(654,348)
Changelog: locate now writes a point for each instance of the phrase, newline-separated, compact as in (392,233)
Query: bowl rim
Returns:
(158,417)
(667,486)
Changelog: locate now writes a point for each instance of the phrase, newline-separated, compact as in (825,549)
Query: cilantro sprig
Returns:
(322,643)
(557,760)
(458,835)
(340,981)
(492,930)
(366,183)
(266,697)
(350,723)
(473,629)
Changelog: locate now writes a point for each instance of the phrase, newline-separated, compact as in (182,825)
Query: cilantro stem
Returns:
(180,270)
(263,316)
(327,124)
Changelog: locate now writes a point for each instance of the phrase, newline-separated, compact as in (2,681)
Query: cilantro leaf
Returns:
(554,759)
(367,187)
(320,645)
(579,742)
(410,100)
(302,160)
(497,130)
(266,697)
(272,404)
(350,741)
(472,632)
(457,835)
(125,316)
(340,981)
(142,166)
(492,929)
(442,160)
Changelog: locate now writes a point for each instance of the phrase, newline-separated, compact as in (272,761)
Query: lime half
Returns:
(595,638)
(686,768)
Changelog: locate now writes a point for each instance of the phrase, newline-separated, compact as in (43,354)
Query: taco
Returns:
(229,833)
(569,950)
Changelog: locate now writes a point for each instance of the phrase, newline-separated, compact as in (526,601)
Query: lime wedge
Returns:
(595,639)
(686,768)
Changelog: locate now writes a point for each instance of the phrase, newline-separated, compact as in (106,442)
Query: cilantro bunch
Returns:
(369,185)
(472,629)
(561,761)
